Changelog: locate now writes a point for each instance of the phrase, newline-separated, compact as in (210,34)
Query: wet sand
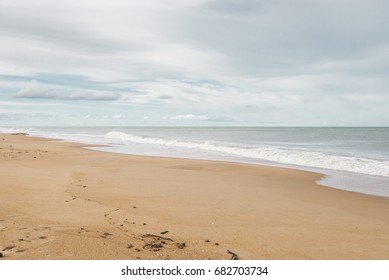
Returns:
(61,201)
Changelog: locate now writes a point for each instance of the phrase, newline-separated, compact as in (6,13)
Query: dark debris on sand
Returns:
(156,243)
(233,255)
(105,234)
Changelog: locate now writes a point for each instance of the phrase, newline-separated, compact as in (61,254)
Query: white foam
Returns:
(285,156)
(369,176)
(10,130)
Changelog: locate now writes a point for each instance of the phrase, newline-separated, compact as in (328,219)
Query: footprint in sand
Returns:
(9,248)
(105,235)
(13,249)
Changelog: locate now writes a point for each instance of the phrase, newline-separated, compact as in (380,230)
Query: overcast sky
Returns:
(194,62)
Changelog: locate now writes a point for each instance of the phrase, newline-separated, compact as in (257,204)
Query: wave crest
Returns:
(285,156)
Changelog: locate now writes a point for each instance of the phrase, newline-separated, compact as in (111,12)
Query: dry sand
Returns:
(60,201)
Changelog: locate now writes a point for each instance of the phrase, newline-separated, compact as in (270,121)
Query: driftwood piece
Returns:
(157,236)
(233,255)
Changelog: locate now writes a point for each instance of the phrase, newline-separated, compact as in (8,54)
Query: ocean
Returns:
(353,159)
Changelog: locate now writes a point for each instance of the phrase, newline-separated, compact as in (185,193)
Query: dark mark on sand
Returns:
(105,234)
(10,247)
(233,255)
(156,236)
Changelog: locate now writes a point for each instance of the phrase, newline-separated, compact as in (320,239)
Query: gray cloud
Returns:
(279,57)
(92,95)
(56,27)
(232,7)
(165,96)
(35,90)
(285,36)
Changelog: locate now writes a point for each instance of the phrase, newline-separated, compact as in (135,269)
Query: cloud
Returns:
(91,95)
(36,90)
(253,60)
(187,118)
(118,117)
(191,117)
(221,119)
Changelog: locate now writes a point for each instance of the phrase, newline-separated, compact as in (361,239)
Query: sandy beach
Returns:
(62,201)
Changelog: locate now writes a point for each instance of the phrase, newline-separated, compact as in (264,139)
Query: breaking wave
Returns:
(279,155)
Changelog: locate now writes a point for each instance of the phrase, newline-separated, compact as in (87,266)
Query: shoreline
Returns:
(330,178)
(335,176)
(67,202)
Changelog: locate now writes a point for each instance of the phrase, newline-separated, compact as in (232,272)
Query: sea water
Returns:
(354,159)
